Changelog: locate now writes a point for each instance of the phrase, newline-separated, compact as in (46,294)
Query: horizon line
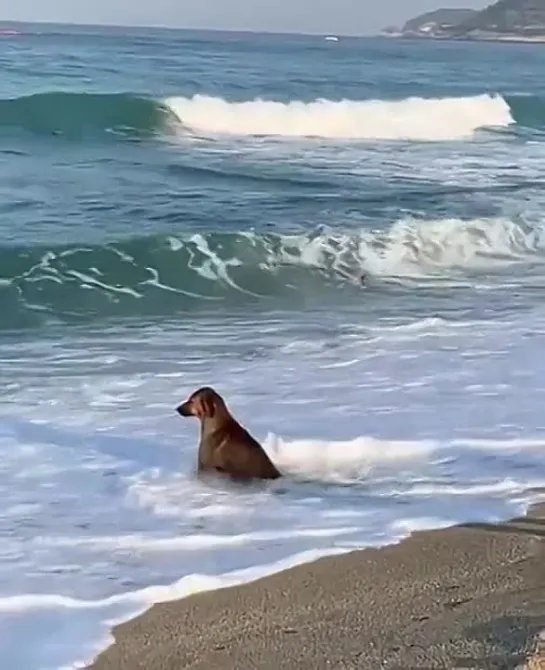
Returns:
(156,26)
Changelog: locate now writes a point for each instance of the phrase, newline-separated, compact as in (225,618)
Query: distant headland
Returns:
(505,20)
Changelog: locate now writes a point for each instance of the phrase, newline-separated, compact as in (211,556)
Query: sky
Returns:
(306,16)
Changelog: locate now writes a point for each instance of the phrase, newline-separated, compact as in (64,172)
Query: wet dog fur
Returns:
(225,447)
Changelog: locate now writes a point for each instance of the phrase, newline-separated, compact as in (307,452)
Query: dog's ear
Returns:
(208,403)
(205,406)
(198,409)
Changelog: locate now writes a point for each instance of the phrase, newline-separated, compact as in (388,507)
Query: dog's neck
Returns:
(219,421)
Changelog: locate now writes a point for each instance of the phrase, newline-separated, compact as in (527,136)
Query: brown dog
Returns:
(225,446)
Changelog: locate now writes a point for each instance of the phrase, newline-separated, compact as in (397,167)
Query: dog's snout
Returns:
(184,409)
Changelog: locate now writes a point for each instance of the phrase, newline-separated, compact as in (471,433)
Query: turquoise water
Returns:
(345,238)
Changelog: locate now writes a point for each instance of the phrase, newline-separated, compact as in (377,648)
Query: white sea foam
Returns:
(417,248)
(445,249)
(409,119)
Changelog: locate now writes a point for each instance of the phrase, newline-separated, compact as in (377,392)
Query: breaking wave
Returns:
(167,274)
(409,119)
(78,115)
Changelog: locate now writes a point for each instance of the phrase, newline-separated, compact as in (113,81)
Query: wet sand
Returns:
(467,597)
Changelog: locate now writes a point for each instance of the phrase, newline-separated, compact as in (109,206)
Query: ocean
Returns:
(346,239)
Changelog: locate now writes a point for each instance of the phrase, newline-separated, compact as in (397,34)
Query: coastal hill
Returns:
(505,19)
(437,21)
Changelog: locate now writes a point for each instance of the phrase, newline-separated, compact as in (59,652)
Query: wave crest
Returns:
(409,119)
(154,274)
(77,115)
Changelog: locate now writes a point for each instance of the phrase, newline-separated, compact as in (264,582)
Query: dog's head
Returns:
(205,403)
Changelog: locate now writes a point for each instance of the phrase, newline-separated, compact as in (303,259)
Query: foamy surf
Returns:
(417,248)
(438,119)
(108,514)
(385,491)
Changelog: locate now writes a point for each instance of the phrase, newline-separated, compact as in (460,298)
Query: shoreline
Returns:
(438,599)
(530,39)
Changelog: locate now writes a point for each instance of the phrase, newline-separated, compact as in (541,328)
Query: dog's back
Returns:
(236,452)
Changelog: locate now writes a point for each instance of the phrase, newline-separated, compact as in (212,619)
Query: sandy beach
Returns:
(465,597)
